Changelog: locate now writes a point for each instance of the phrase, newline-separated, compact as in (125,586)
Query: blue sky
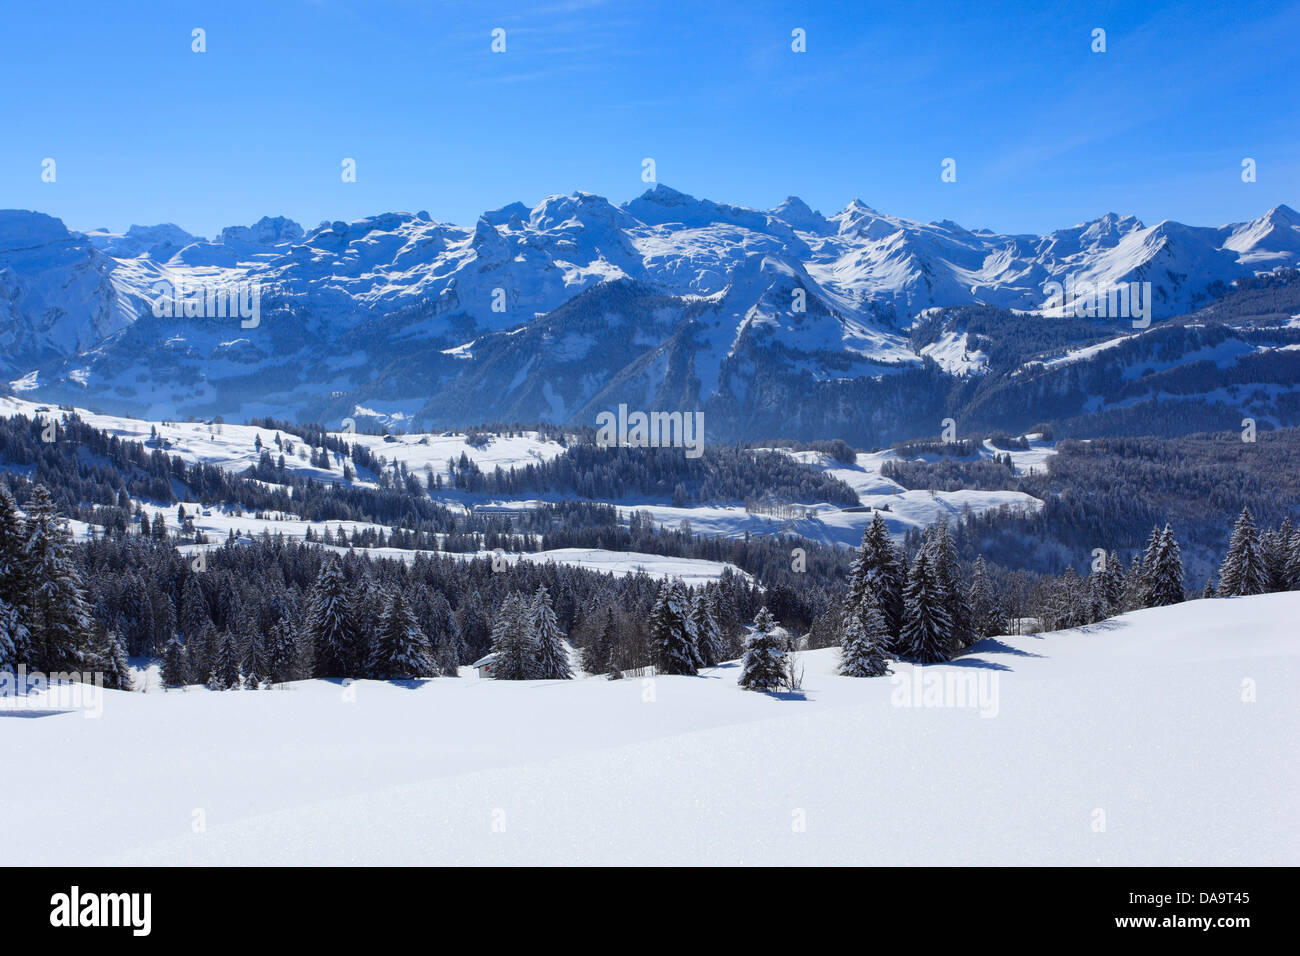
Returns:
(1045,132)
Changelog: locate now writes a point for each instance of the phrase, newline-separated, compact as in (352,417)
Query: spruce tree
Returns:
(672,637)
(512,641)
(763,666)
(707,631)
(13,638)
(282,652)
(1095,595)
(366,605)
(253,654)
(1285,576)
(927,628)
(1293,562)
(1164,572)
(548,639)
(1273,555)
(943,561)
(1243,571)
(878,571)
(1134,586)
(446,661)
(194,609)
(176,665)
(225,673)
(862,644)
(59,625)
(115,667)
(14,581)
(204,649)
(329,624)
(400,648)
(988,618)
(599,652)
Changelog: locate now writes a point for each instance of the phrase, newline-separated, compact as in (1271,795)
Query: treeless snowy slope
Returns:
(1167,736)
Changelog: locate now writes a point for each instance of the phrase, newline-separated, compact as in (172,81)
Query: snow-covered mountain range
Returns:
(774,321)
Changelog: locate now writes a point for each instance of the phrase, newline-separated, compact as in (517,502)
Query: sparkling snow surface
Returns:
(1132,742)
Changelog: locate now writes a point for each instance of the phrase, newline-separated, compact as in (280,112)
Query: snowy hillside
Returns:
(235,449)
(1123,743)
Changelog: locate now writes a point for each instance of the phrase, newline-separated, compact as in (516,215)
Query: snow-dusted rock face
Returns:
(57,296)
(712,303)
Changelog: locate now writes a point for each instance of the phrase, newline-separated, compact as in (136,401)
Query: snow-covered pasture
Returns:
(1166,736)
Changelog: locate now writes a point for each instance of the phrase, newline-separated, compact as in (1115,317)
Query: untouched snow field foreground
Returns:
(1166,736)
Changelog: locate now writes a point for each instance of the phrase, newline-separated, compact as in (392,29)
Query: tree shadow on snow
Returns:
(784,694)
(1109,625)
(409,683)
(991,645)
(980,662)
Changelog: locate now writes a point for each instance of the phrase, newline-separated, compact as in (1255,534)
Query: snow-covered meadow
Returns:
(1165,736)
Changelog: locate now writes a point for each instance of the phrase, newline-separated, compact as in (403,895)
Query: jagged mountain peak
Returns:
(582,207)
(24,227)
(267,231)
(515,211)
(796,213)
(401,284)
(1283,215)
(663,206)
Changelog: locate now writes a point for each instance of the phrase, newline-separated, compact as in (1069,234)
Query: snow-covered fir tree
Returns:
(878,571)
(194,608)
(399,648)
(763,665)
(446,661)
(434,613)
(598,654)
(987,615)
(14,638)
(512,641)
(367,603)
(943,561)
(253,654)
(552,657)
(113,663)
(1096,606)
(862,643)
(58,620)
(927,628)
(1243,571)
(282,652)
(1273,546)
(1164,572)
(1293,561)
(225,672)
(329,625)
(1282,573)
(176,664)
(1134,591)
(707,632)
(204,649)
(1109,585)
(672,637)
